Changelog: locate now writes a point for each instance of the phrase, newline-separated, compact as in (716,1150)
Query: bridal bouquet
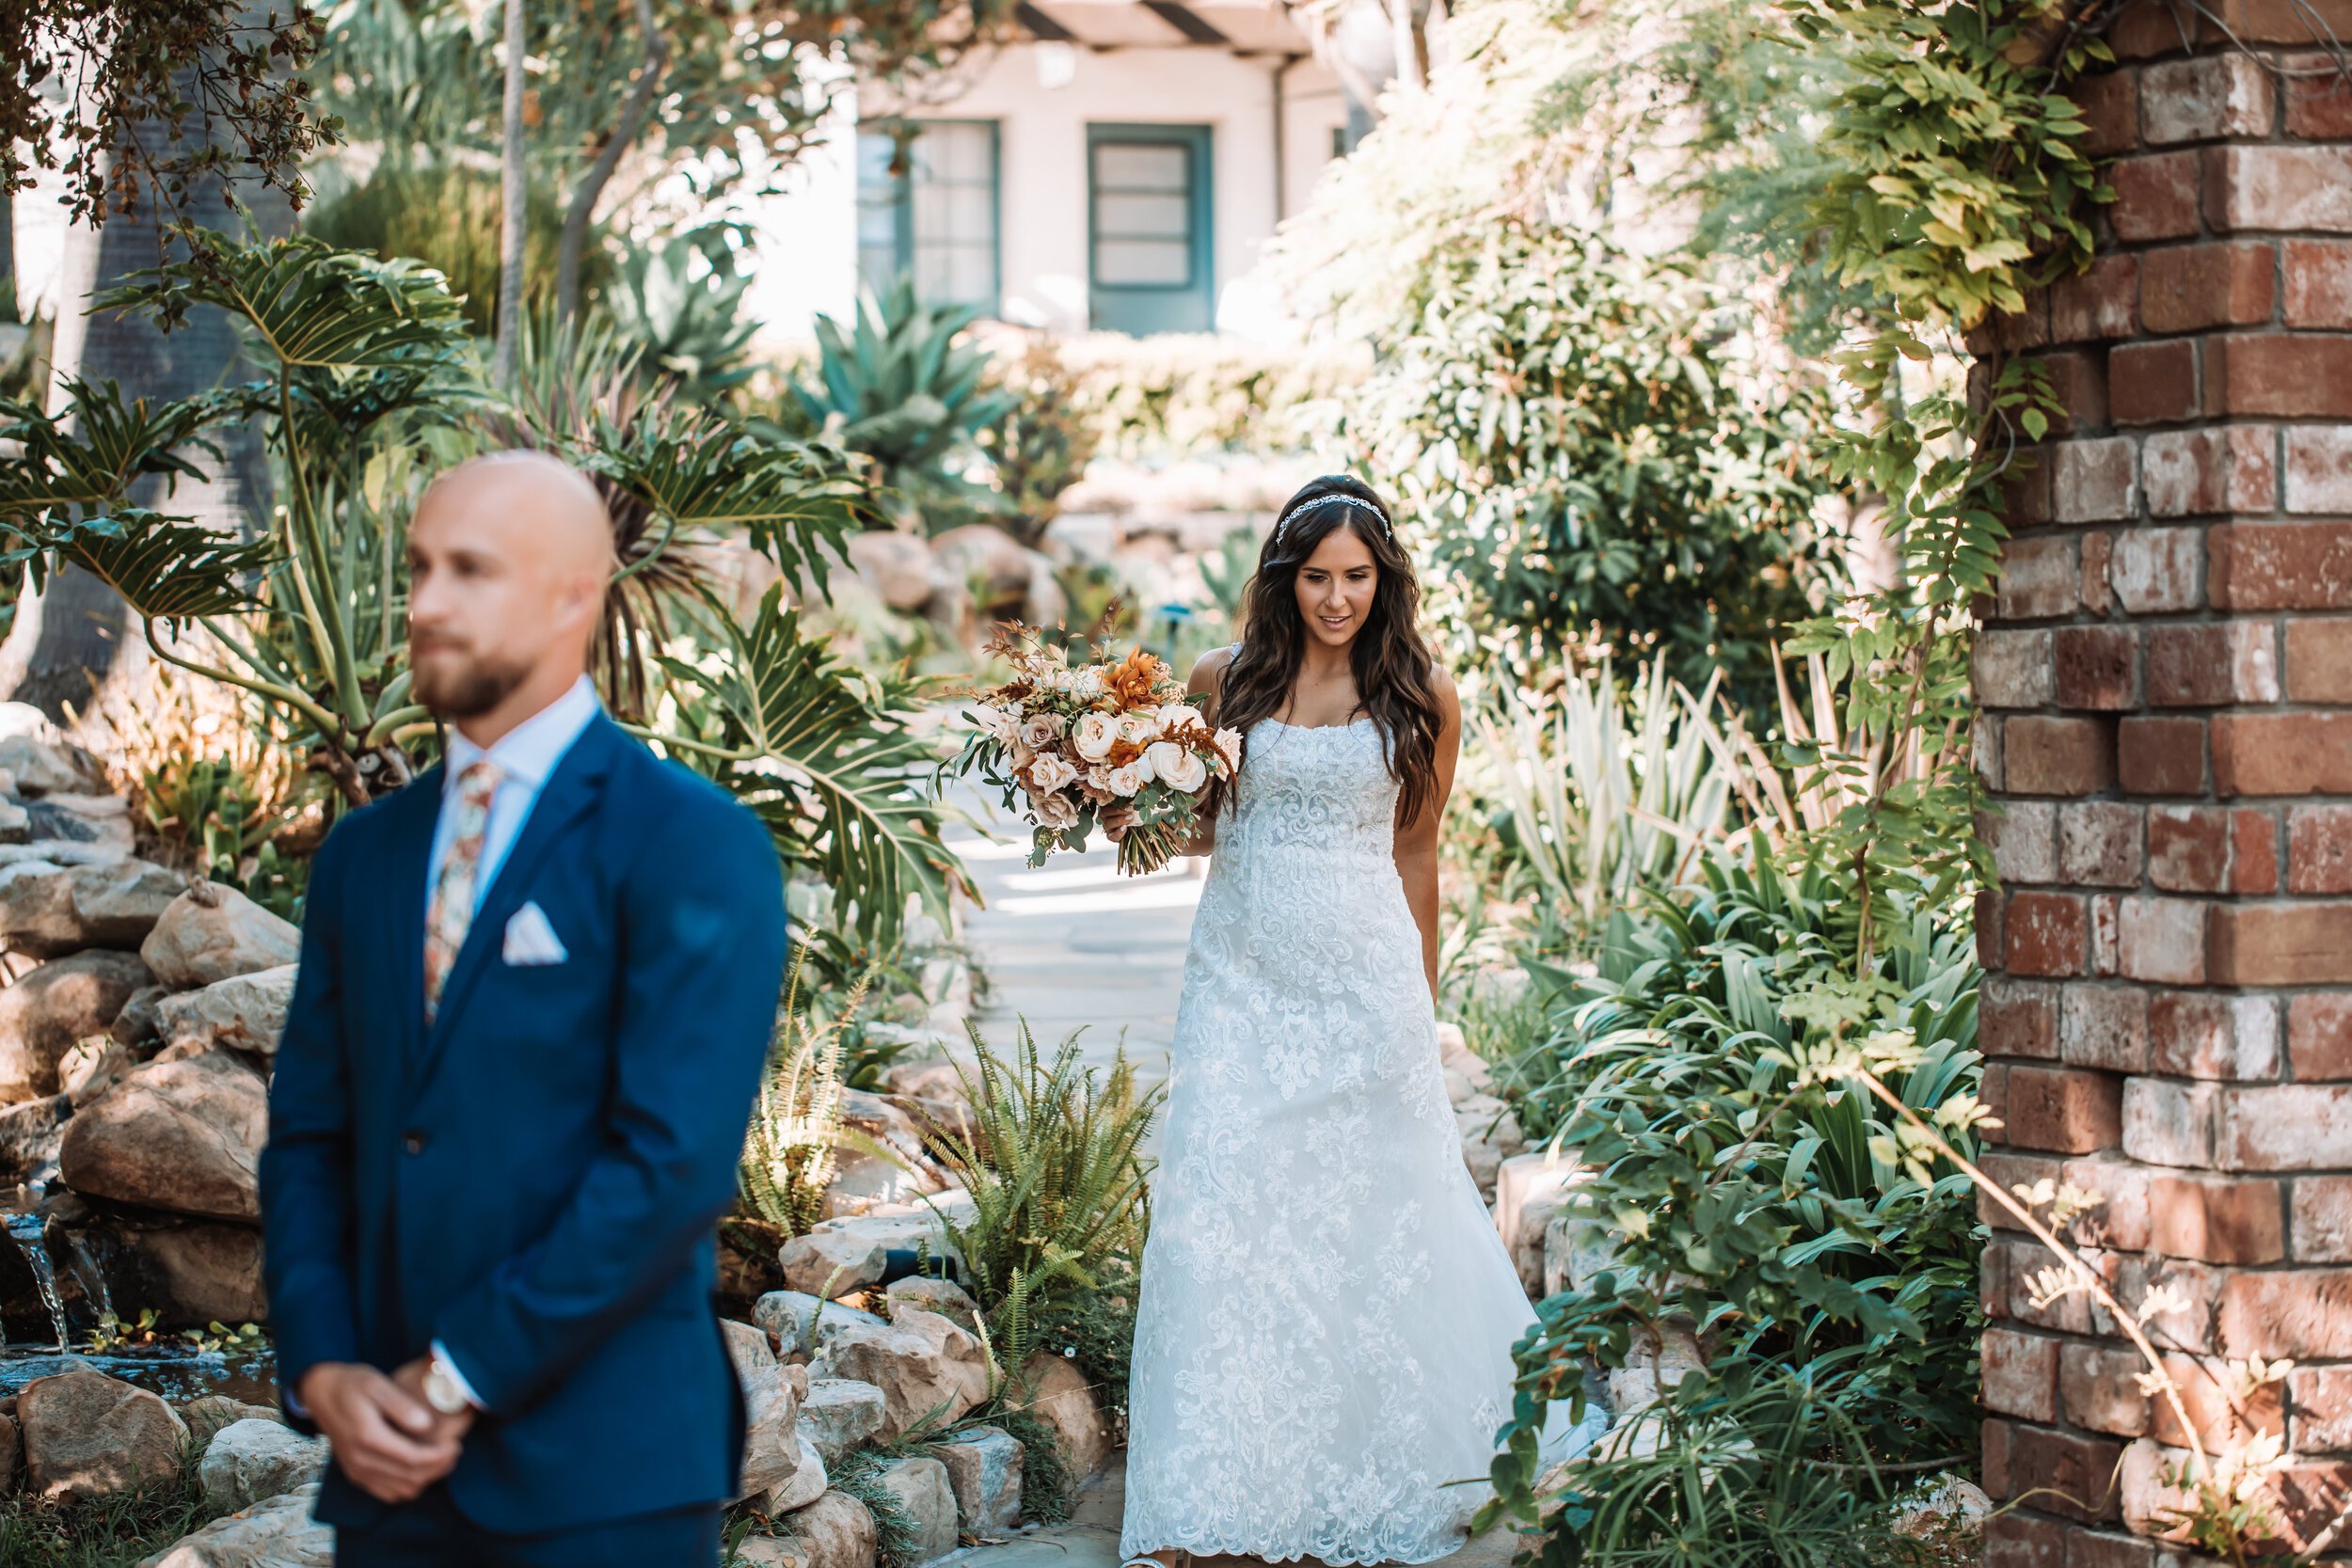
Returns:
(1063,741)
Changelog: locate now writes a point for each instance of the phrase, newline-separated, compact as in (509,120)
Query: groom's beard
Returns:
(450,689)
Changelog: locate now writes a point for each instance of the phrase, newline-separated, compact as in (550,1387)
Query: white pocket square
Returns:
(529,940)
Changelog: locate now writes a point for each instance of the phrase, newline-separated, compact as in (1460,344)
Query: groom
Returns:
(536,991)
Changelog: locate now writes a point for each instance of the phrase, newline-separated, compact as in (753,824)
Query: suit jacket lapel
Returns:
(569,796)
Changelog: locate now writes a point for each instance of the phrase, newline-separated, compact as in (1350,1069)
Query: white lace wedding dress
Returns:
(1327,1315)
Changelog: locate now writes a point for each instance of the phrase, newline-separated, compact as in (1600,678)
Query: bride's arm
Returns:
(1417,840)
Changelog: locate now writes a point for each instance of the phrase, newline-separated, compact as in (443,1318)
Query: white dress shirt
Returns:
(526,757)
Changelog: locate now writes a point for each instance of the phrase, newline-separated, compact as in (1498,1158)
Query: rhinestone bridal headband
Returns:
(1356,502)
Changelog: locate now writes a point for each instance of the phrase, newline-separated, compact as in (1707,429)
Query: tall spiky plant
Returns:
(791,1147)
(1052,1157)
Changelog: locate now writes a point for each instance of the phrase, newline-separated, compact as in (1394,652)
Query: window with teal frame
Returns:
(927,205)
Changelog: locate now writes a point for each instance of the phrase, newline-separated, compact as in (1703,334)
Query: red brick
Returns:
(2011,669)
(2092,1549)
(2297,373)
(2319,100)
(2308,188)
(2155,569)
(2302,1313)
(2096,667)
(2188,473)
(2319,280)
(2167,1124)
(2201,1035)
(2280,944)
(2106,959)
(2104,1027)
(2322,1209)
(2319,849)
(2019,1017)
(2319,1035)
(2161,756)
(2204,98)
(2283,753)
(2149,28)
(2018,1540)
(2189,849)
(2037,579)
(2058,757)
(2154,383)
(1990,944)
(2319,661)
(2322,1399)
(2064,1110)
(2020,1374)
(2195,287)
(2216,1219)
(2094,481)
(2119,1216)
(2098,844)
(2102,302)
(2077,1474)
(1996,1447)
(2095,1386)
(2318,469)
(2189,1328)
(2202,665)
(2162,940)
(2238,23)
(2023,839)
(2047,933)
(2078,379)
(2110,103)
(2098,551)
(2156,198)
(2280,565)
(2253,851)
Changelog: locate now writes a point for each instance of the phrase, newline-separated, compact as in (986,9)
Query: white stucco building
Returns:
(1118,167)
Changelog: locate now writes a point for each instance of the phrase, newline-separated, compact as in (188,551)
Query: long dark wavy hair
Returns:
(1395,675)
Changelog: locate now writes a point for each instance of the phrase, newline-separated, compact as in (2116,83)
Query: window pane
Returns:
(1143,218)
(1148,261)
(1130,166)
(878,225)
(933,277)
(878,265)
(930,213)
(962,151)
(971,213)
(972,274)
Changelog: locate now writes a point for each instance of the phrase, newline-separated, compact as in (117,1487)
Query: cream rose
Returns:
(1050,772)
(1041,730)
(1095,734)
(1022,755)
(1180,768)
(1056,811)
(1129,780)
(1228,743)
(1139,729)
(1176,718)
(996,723)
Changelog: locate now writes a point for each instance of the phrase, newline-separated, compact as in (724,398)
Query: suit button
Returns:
(412,1142)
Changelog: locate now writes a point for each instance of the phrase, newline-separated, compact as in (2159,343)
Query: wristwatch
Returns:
(442,1390)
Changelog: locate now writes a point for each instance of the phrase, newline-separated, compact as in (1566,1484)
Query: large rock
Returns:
(834,1532)
(46,768)
(188,1272)
(211,933)
(896,566)
(29,1136)
(920,1485)
(943,1296)
(210,1413)
(244,1012)
(87,1434)
(251,1460)
(48,910)
(1529,1189)
(1061,1396)
(278,1533)
(841,1414)
(135,1027)
(97,823)
(1490,1134)
(807,1484)
(178,1135)
(772,1449)
(925,1366)
(12,1454)
(984,1469)
(62,1002)
(840,1255)
(796,1321)
(1002,571)
(93,1067)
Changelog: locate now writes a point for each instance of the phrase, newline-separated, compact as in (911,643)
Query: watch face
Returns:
(440,1392)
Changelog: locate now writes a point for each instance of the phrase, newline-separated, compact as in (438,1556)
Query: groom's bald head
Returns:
(508,557)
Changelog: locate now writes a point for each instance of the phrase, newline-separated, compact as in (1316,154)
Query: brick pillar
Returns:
(2166,686)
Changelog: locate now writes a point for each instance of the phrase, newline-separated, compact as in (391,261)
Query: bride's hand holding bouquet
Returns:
(1115,741)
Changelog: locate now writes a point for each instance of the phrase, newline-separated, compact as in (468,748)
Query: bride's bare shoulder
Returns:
(1207,671)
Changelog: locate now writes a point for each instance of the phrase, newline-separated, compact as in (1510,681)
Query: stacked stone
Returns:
(2164,680)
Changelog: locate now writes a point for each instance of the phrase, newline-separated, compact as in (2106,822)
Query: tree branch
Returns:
(625,132)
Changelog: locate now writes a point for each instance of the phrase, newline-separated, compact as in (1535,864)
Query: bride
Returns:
(1326,1314)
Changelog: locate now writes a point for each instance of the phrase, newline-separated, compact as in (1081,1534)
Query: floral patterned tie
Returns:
(452,910)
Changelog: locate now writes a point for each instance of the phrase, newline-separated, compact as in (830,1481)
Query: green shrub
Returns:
(450,217)
(114,1531)
(1591,452)
(1179,394)
(1040,445)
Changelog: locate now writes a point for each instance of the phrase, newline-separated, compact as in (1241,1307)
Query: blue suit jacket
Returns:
(534,1180)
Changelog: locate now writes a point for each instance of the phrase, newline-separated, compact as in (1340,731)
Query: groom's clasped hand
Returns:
(385,1436)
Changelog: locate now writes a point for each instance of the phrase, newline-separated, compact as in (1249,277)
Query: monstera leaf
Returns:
(167,568)
(837,779)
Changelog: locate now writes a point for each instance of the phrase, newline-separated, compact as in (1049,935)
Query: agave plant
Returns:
(898,386)
(681,302)
(369,386)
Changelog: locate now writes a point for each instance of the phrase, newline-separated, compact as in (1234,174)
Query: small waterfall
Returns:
(26,1231)
(88,1270)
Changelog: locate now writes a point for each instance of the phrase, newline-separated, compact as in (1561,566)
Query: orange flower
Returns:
(1133,679)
